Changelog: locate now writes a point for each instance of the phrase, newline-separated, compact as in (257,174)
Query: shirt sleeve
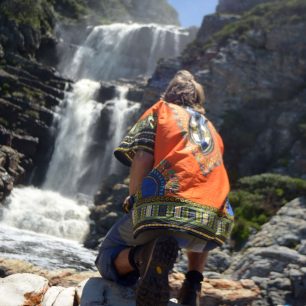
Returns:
(140,137)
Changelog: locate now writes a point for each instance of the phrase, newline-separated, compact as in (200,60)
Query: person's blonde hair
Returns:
(185,91)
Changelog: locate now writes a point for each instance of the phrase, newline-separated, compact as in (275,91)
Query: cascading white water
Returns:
(68,163)
(124,51)
(118,121)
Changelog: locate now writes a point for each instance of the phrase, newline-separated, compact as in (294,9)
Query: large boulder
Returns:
(22,289)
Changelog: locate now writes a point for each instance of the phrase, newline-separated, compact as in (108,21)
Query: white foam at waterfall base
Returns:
(46,212)
(74,137)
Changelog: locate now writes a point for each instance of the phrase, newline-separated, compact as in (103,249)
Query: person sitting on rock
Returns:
(178,197)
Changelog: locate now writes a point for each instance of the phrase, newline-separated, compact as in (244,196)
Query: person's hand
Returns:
(128,204)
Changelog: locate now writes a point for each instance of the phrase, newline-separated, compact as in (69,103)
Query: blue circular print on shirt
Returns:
(153,184)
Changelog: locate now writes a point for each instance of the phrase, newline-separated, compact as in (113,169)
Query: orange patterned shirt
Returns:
(188,186)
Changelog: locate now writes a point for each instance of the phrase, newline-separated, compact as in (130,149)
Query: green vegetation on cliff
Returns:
(35,12)
(264,17)
(22,12)
(256,199)
(24,23)
(38,13)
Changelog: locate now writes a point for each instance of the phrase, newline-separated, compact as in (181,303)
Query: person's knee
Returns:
(105,261)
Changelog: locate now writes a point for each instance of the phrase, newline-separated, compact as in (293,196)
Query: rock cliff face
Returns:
(275,258)
(29,94)
(253,69)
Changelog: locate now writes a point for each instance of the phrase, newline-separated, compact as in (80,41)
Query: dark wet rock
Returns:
(11,170)
(135,94)
(1,51)
(26,145)
(108,208)
(106,92)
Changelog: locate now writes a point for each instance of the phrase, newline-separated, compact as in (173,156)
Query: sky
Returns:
(191,12)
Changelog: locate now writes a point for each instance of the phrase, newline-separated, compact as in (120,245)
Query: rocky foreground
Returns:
(24,289)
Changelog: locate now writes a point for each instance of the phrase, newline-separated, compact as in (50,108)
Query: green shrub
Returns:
(22,11)
(70,8)
(257,198)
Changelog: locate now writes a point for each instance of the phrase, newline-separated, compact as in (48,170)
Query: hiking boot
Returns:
(154,261)
(191,289)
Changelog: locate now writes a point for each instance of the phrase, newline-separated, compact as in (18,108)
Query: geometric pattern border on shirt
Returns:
(199,220)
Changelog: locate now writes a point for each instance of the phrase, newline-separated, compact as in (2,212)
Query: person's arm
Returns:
(142,164)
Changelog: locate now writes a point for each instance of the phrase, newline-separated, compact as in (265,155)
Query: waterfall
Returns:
(122,50)
(120,117)
(87,131)
(68,163)
(79,161)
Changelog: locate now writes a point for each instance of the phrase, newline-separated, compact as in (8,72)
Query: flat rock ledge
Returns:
(26,289)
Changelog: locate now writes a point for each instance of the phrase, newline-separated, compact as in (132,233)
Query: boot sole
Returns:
(153,289)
